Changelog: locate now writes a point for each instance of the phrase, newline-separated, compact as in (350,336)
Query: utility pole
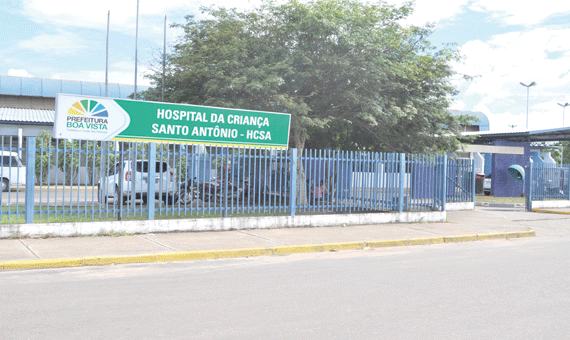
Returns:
(527,87)
(136,49)
(164,59)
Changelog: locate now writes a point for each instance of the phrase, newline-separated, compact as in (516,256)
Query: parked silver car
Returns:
(487,185)
(132,178)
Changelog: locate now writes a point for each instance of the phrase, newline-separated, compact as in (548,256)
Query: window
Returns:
(11,161)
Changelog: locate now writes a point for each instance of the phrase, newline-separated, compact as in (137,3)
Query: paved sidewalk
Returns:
(470,225)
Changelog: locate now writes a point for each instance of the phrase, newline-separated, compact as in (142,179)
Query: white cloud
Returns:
(62,43)
(516,12)
(122,73)
(93,14)
(458,105)
(426,11)
(18,73)
(508,59)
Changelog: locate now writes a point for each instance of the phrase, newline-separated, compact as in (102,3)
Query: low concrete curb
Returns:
(247,252)
(500,205)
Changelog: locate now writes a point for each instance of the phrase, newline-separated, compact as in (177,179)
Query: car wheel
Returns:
(102,199)
(5,185)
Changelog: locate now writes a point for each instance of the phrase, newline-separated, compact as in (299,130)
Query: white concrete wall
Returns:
(550,204)
(212,224)
(460,206)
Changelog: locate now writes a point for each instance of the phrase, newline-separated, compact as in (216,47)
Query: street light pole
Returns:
(527,91)
(563,114)
(136,49)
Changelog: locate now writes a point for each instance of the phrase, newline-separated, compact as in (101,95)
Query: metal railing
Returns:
(75,180)
(548,181)
(460,180)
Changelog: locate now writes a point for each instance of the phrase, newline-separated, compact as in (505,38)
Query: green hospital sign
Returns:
(95,118)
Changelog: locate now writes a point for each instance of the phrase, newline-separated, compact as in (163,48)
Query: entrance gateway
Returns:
(546,183)
(105,119)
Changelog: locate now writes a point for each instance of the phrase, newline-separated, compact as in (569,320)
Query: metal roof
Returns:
(43,87)
(548,135)
(23,116)
(483,122)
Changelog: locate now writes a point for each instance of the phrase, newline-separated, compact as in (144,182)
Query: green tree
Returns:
(44,156)
(348,72)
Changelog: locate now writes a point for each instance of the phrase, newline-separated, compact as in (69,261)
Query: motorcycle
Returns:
(214,190)
(187,192)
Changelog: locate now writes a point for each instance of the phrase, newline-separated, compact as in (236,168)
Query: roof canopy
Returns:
(26,116)
(549,135)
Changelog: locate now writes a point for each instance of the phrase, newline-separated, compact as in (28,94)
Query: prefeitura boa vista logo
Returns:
(88,115)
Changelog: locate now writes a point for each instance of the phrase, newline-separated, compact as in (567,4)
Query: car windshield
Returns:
(142,166)
(11,161)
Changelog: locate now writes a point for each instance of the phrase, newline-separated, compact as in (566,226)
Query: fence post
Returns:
(30,178)
(473,181)
(151,182)
(401,182)
(293,184)
(567,182)
(528,184)
(444,183)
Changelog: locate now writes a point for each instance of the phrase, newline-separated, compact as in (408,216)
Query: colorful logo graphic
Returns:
(88,107)
(88,116)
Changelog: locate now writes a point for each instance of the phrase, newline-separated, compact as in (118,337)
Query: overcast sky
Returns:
(504,42)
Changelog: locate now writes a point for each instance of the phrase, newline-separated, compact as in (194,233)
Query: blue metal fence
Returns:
(85,180)
(460,180)
(548,181)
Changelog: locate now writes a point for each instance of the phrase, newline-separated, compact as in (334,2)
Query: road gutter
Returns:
(247,252)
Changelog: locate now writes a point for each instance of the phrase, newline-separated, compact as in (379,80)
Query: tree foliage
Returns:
(348,72)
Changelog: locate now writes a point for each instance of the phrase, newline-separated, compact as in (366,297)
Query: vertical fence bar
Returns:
(567,182)
(529,187)
(293,183)
(151,180)
(444,183)
(472,171)
(401,182)
(49,175)
(41,154)
(30,183)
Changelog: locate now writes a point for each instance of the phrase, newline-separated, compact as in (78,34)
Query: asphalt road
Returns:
(503,289)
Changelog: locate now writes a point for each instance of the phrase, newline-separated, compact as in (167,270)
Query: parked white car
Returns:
(12,170)
(135,182)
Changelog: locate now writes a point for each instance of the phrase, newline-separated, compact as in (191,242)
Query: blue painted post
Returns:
(151,182)
(528,184)
(401,182)
(293,183)
(473,180)
(444,183)
(30,178)
(567,183)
